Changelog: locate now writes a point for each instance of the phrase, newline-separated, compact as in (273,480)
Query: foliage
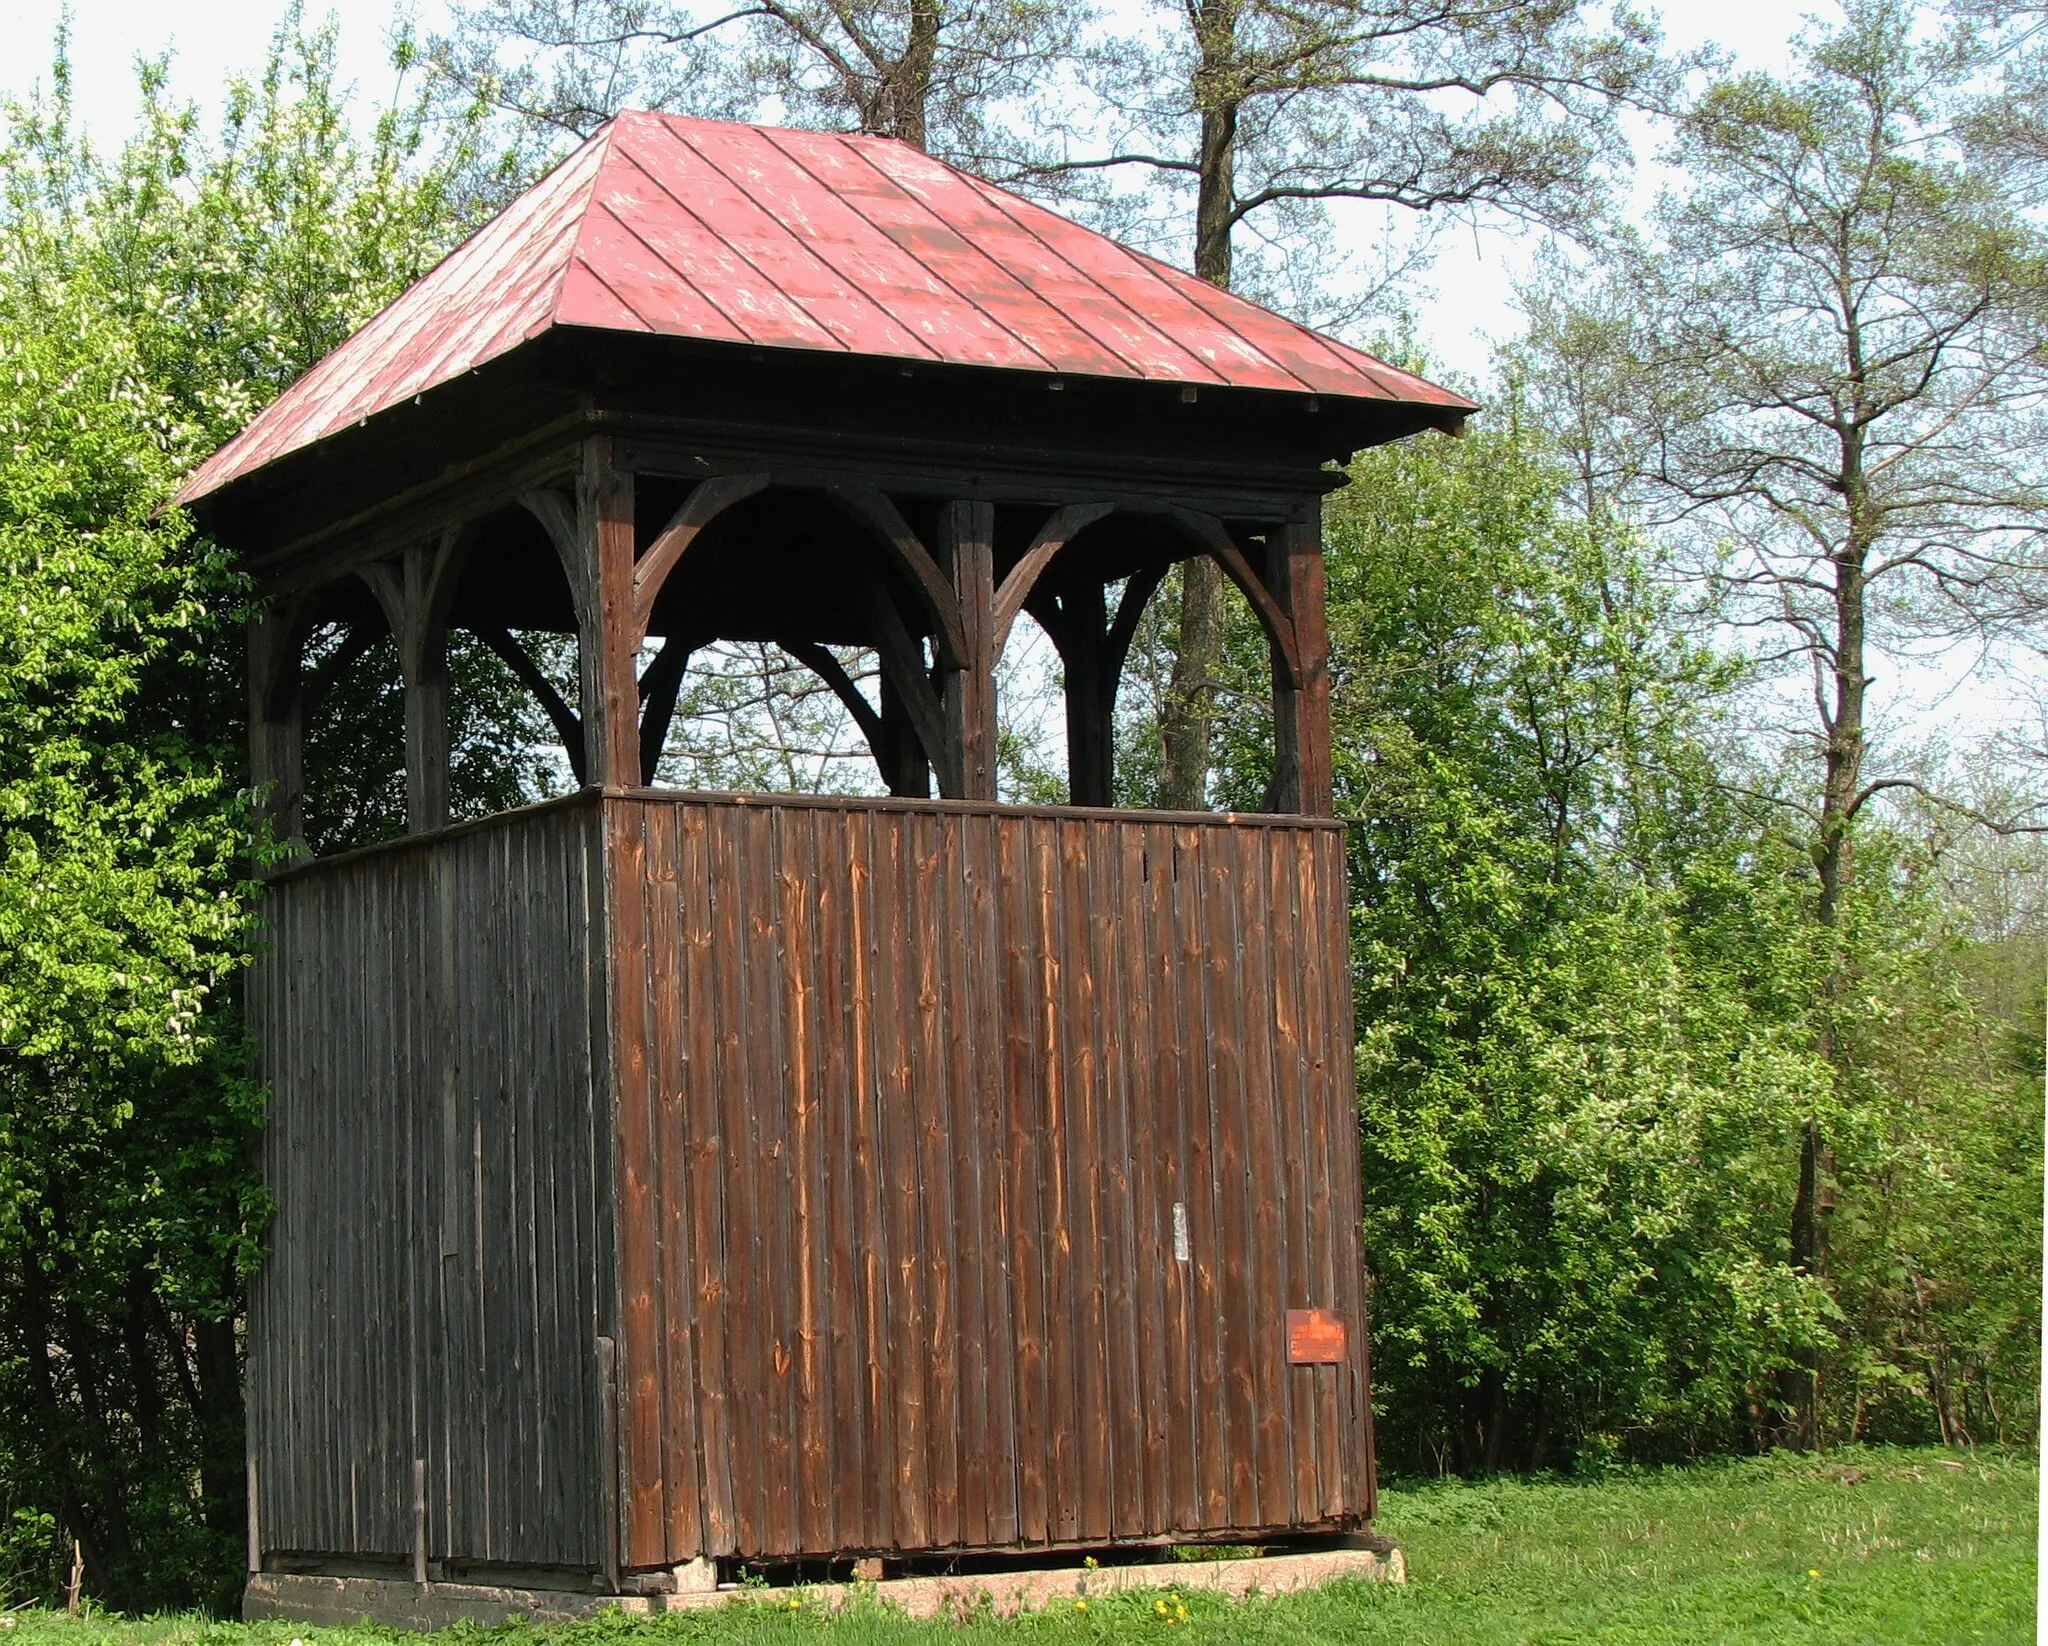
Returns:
(149,302)
(1869,1545)
(1584,972)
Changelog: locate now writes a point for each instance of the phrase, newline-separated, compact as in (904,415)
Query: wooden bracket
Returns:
(907,552)
(705,504)
(1062,528)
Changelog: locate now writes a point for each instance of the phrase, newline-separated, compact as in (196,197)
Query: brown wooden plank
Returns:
(1025,1080)
(1063,1330)
(837,867)
(671,1128)
(934,916)
(700,957)
(971,1032)
(746,1355)
(1176,1055)
(1307,1389)
(1270,1188)
(802,895)
(869,910)
(1088,1034)
(1151,1235)
(771,1098)
(1230,1097)
(1318,921)
(640,1336)
(1210,1422)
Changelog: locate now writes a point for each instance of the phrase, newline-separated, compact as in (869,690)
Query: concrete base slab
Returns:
(335,1601)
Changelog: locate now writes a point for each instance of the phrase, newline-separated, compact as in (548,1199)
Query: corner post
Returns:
(1302,777)
(423,646)
(277,726)
(610,692)
(1091,696)
(967,555)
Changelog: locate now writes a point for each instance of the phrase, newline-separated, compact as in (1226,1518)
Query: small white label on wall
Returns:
(1180,1231)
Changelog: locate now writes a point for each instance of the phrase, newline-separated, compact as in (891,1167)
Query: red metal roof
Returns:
(807,240)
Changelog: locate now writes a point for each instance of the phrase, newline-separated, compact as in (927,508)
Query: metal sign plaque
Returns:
(1315,1337)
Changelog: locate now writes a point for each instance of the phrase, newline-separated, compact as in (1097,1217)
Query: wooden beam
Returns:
(967,548)
(1217,543)
(905,767)
(704,504)
(1058,531)
(607,642)
(568,727)
(902,661)
(1091,698)
(423,651)
(820,661)
(659,683)
(1303,779)
(277,722)
(906,551)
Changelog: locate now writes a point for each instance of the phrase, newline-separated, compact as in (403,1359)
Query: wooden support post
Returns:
(277,727)
(1302,778)
(419,1521)
(423,650)
(1091,696)
(605,552)
(255,1522)
(967,554)
(901,758)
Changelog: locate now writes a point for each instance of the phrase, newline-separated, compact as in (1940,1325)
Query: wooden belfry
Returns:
(667,1177)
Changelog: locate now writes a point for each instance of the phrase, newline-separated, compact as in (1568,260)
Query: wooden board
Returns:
(977,1056)
(437,1263)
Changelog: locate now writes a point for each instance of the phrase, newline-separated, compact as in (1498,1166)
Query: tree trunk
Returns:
(1188,715)
(1832,862)
(908,94)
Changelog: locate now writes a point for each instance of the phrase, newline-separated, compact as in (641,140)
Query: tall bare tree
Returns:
(1248,119)
(1826,376)
(935,73)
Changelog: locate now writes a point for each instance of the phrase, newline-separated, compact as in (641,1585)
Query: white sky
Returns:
(210,39)
(1471,304)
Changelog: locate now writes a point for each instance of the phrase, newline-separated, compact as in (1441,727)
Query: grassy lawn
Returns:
(1872,1545)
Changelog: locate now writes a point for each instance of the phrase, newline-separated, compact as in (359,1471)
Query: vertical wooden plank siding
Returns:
(924,1087)
(436,1276)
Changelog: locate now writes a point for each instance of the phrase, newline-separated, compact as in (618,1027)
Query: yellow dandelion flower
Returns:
(1813,1571)
(1080,1605)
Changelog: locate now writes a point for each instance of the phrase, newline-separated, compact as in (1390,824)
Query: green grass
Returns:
(1872,1545)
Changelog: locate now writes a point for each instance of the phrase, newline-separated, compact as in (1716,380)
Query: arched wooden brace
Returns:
(1209,535)
(416,596)
(1092,647)
(1058,531)
(953,719)
(907,553)
(706,502)
(568,725)
(1217,543)
(660,682)
(820,661)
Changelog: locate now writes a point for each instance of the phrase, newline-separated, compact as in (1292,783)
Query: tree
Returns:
(150,302)
(1577,981)
(1824,378)
(1254,117)
(935,73)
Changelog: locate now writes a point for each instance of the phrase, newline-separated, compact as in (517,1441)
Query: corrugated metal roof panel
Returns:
(806,240)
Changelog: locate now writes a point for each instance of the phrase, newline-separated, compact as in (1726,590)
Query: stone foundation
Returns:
(335,1601)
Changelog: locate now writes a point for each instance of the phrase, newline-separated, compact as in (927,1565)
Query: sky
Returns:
(1472,300)
(1468,308)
